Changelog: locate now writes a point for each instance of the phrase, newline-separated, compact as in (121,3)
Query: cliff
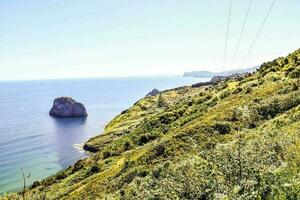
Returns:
(234,139)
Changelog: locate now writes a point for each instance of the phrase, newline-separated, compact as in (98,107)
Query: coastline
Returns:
(79,147)
(191,134)
(51,141)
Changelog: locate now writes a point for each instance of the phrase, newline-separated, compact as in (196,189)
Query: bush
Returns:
(61,175)
(78,165)
(168,118)
(236,113)
(261,81)
(160,150)
(106,154)
(203,99)
(224,94)
(127,145)
(157,172)
(35,184)
(129,177)
(161,103)
(237,90)
(295,87)
(95,169)
(276,106)
(222,128)
(164,128)
(145,138)
(248,90)
(212,102)
(295,73)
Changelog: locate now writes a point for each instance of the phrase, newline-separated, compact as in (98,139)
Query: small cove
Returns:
(41,145)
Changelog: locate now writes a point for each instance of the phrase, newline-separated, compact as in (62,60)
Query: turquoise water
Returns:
(41,145)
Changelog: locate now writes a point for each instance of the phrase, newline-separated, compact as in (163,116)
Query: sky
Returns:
(104,38)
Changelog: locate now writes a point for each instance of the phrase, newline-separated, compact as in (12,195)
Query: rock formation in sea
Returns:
(66,107)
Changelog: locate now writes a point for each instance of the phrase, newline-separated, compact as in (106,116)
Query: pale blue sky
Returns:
(95,38)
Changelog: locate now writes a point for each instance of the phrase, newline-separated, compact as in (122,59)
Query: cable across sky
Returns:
(258,32)
(241,33)
(227,34)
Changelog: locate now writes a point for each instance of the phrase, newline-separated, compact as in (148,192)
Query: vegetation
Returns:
(236,139)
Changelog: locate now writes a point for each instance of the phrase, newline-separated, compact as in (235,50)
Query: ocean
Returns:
(32,141)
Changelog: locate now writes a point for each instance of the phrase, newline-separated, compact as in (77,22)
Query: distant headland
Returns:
(205,74)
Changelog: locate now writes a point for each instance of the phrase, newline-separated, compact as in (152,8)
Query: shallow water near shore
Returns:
(41,145)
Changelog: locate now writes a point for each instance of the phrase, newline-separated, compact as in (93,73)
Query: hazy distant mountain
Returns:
(204,74)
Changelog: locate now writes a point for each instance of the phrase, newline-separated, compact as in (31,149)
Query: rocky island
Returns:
(66,107)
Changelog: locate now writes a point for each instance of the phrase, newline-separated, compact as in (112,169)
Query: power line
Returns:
(259,31)
(241,33)
(227,34)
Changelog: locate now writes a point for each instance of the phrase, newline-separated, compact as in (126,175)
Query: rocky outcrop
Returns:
(66,107)
(154,92)
(216,79)
(90,148)
(232,76)
(201,84)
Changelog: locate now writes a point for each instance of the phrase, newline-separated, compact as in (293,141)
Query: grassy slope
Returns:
(238,139)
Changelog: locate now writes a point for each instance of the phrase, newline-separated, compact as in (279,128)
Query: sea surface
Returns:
(33,142)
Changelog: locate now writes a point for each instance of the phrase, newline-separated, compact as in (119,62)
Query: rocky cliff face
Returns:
(67,107)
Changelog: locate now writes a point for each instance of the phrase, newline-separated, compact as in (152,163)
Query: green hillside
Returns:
(235,139)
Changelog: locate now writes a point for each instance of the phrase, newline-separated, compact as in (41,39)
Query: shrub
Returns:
(161,103)
(160,150)
(164,128)
(254,85)
(78,165)
(248,90)
(143,107)
(168,118)
(145,138)
(271,108)
(275,78)
(95,168)
(129,177)
(295,87)
(106,154)
(203,99)
(295,73)
(247,116)
(222,128)
(237,90)
(61,175)
(35,184)
(236,113)
(261,81)
(157,172)
(212,102)
(224,94)
(127,145)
